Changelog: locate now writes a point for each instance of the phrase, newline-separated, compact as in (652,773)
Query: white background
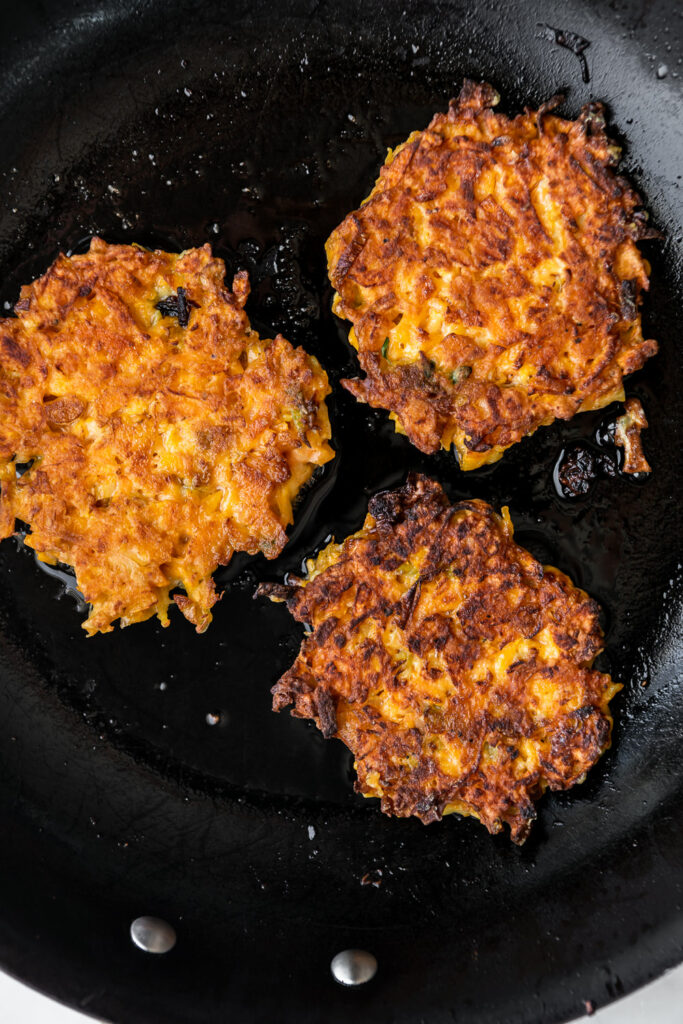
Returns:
(658,1003)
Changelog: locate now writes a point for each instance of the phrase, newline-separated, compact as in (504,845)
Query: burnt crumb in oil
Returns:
(177,306)
(578,467)
(570,41)
(373,878)
(605,436)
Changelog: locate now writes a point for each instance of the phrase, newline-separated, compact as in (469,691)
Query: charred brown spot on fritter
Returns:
(455,667)
(493,278)
(162,433)
(178,306)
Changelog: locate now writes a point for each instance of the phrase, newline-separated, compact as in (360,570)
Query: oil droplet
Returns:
(213,718)
(662,71)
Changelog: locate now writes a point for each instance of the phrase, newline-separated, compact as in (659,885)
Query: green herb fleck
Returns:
(294,416)
(460,373)
(385,346)
(427,366)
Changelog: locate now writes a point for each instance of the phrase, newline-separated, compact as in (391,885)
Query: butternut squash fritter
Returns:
(492,277)
(455,667)
(162,433)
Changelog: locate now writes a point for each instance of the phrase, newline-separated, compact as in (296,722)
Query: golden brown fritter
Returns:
(455,667)
(492,277)
(627,436)
(163,433)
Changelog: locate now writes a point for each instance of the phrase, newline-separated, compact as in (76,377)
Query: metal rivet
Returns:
(152,934)
(353,967)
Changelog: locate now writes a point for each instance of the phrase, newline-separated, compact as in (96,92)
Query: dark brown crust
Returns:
(502,247)
(165,433)
(543,720)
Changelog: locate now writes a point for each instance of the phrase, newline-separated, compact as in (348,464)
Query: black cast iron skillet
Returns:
(257,125)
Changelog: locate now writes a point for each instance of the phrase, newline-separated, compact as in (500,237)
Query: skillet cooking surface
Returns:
(173,123)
